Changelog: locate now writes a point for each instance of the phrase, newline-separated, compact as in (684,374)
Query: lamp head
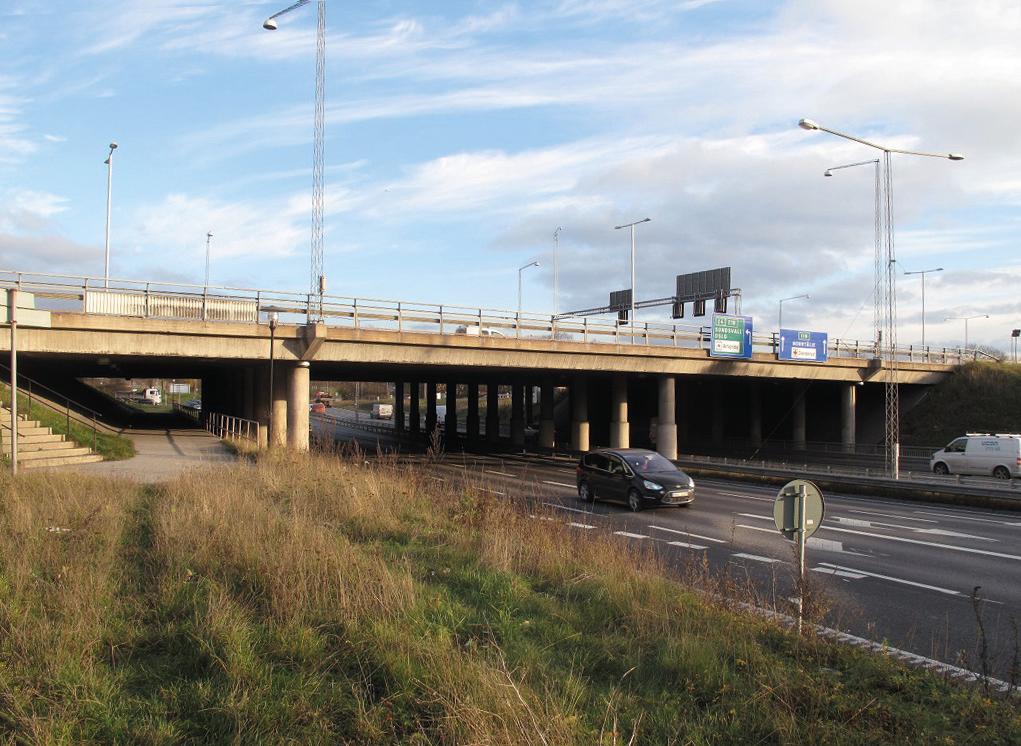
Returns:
(808,124)
(955,156)
(270,24)
(827,172)
(209,234)
(113,146)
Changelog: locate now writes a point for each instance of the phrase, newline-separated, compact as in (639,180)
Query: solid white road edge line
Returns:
(689,534)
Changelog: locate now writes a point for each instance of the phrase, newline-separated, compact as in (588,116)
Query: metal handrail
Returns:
(230,427)
(407,317)
(80,408)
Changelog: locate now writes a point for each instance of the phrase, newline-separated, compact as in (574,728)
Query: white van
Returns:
(475,331)
(152,396)
(996,454)
(382,411)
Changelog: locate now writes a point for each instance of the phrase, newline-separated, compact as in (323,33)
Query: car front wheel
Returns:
(585,492)
(941,469)
(634,500)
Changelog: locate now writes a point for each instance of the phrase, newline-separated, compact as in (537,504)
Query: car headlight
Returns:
(651,485)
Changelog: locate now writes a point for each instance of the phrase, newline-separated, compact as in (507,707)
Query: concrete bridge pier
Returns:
(518,414)
(848,405)
(262,403)
(798,426)
(755,414)
(430,408)
(666,428)
(492,412)
(547,425)
(415,412)
(278,430)
(399,406)
(297,406)
(450,419)
(620,434)
(579,414)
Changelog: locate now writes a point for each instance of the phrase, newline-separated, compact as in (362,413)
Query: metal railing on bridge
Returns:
(229,427)
(165,300)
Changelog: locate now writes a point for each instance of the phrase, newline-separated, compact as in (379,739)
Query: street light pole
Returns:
(966,319)
(779,324)
(520,270)
(923,273)
(633,272)
(877,310)
(889,286)
(209,237)
(109,196)
(556,270)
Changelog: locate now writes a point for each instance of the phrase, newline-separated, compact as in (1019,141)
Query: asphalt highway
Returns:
(893,571)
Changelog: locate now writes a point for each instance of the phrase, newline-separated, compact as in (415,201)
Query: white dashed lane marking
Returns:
(754,557)
(688,534)
(630,535)
(558,484)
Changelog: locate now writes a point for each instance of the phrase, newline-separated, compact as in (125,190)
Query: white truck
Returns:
(983,454)
(382,411)
(152,396)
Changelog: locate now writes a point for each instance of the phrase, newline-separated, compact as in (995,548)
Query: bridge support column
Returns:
(719,413)
(414,413)
(798,419)
(620,435)
(278,430)
(848,402)
(529,402)
(297,407)
(579,415)
(547,426)
(430,408)
(450,420)
(399,406)
(518,414)
(666,428)
(755,414)
(492,412)
(471,428)
(263,401)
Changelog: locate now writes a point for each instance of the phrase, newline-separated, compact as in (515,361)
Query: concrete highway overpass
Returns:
(620,379)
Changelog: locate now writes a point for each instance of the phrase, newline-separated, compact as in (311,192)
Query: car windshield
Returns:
(648,462)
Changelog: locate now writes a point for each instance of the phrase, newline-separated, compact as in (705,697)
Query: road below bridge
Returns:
(893,571)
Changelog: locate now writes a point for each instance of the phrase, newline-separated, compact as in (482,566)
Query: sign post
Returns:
(798,512)
(13,306)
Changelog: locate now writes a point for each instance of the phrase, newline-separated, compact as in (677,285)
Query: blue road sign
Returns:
(731,336)
(803,347)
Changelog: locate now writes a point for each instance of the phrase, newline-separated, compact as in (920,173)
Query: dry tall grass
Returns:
(317,599)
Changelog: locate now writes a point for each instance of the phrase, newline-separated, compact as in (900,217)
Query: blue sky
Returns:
(461,134)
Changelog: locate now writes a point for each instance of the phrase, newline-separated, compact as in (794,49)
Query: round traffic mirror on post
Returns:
(786,506)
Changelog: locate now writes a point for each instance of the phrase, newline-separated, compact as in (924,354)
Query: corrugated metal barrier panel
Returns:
(165,306)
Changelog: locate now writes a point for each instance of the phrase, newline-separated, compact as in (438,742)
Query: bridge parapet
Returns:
(184,302)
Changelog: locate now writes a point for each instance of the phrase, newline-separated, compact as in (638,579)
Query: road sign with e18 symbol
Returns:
(731,336)
(803,347)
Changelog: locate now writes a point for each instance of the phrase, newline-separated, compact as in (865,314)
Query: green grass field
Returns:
(320,600)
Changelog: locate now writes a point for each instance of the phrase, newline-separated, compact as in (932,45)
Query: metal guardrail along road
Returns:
(164,300)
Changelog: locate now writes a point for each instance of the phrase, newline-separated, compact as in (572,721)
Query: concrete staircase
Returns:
(39,446)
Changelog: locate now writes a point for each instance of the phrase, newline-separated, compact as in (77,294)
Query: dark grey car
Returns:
(633,476)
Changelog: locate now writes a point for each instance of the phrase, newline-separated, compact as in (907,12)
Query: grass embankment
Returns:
(979,397)
(323,601)
(111,447)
